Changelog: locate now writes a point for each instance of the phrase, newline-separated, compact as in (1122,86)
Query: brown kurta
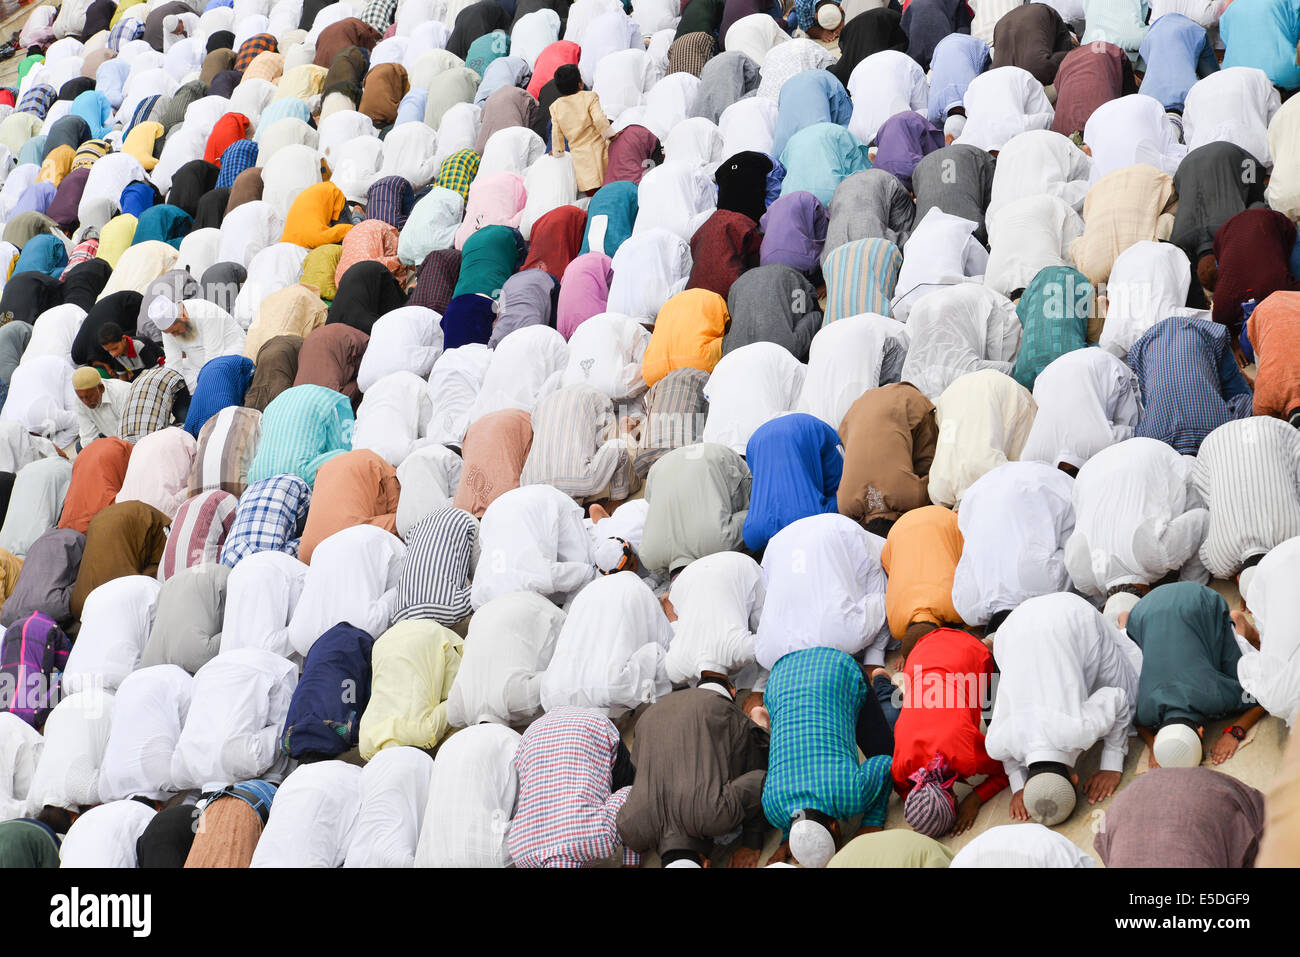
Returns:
(889,437)
(330,357)
(276,367)
(123,539)
(700,766)
(1182,817)
(227,836)
(494,451)
(355,488)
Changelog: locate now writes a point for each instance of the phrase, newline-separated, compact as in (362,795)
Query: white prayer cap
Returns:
(683,862)
(954,125)
(811,844)
(1049,798)
(163,312)
(829,15)
(1243,585)
(611,554)
(1177,746)
(1117,604)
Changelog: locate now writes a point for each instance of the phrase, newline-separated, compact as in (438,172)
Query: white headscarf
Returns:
(394,792)
(847,358)
(649,269)
(1127,131)
(882,85)
(247,230)
(149,710)
(754,36)
(313,817)
(1003,103)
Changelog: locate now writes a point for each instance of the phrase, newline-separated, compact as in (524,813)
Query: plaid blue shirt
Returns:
(37,100)
(267,518)
(1189,380)
(813,697)
(238,156)
(126,30)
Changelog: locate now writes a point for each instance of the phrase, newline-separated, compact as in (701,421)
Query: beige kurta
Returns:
(579,119)
(1124,207)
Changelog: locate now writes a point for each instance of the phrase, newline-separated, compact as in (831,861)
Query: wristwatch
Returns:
(1237,731)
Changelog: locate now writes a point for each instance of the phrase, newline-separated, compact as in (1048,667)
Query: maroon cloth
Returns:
(630,155)
(337,37)
(1253,250)
(436,280)
(723,248)
(556,240)
(1088,77)
(1034,38)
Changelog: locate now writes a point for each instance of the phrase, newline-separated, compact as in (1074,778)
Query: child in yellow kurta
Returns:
(577,117)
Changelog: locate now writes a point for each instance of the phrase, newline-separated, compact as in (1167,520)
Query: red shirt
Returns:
(947,673)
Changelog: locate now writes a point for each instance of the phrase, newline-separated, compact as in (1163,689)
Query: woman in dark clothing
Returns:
(865,34)
(367,291)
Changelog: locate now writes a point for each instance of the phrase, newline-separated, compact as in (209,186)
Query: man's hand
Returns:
(745,857)
(1018,812)
(967,811)
(1224,748)
(781,855)
(1244,627)
(1101,785)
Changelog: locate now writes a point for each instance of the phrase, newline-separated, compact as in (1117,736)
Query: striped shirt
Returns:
(380,13)
(198,532)
(566,815)
(1189,380)
(435,578)
(127,29)
(390,199)
(1248,474)
(860,277)
(149,406)
(675,413)
(577,447)
(227,443)
(302,429)
(813,697)
(268,518)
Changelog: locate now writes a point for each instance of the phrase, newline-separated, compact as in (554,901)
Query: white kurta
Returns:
(428,477)
(984,419)
(748,387)
(1014,524)
(956,330)
(1026,236)
(509,645)
(41,399)
(149,711)
(104,419)
(1136,518)
(1129,131)
(824,589)
(1022,845)
(454,384)
(261,594)
(105,836)
(213,332)
(1232,106)
(532,538)
(649,269)
(115,624)
(1038,163)
(312,818)
(942,251)
(718,600)
(610,651)
(238,706)
(882,85)
(76,736)
(394,792)
(1148,283)
(605,354)
(1069,679)
(20,752)
(1283,191)
(847,358)
(472,797)
(392,417)
(352,577)
(1001,104)
(526,365)
(1087,401)
(1272,674)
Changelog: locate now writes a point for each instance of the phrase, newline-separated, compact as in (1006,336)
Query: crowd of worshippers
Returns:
(359,505)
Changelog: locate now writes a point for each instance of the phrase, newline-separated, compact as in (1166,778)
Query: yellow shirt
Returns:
(920,557)
(413,666)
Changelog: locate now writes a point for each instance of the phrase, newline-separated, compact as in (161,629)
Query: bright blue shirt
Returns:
(796,463)
(1263,34)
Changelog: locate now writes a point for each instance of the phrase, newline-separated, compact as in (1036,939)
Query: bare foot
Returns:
(597,512)
(1245,628)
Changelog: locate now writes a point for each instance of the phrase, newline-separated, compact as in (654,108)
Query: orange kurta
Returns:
(1274,329)
(355,488)
(920,557)
(687,334)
